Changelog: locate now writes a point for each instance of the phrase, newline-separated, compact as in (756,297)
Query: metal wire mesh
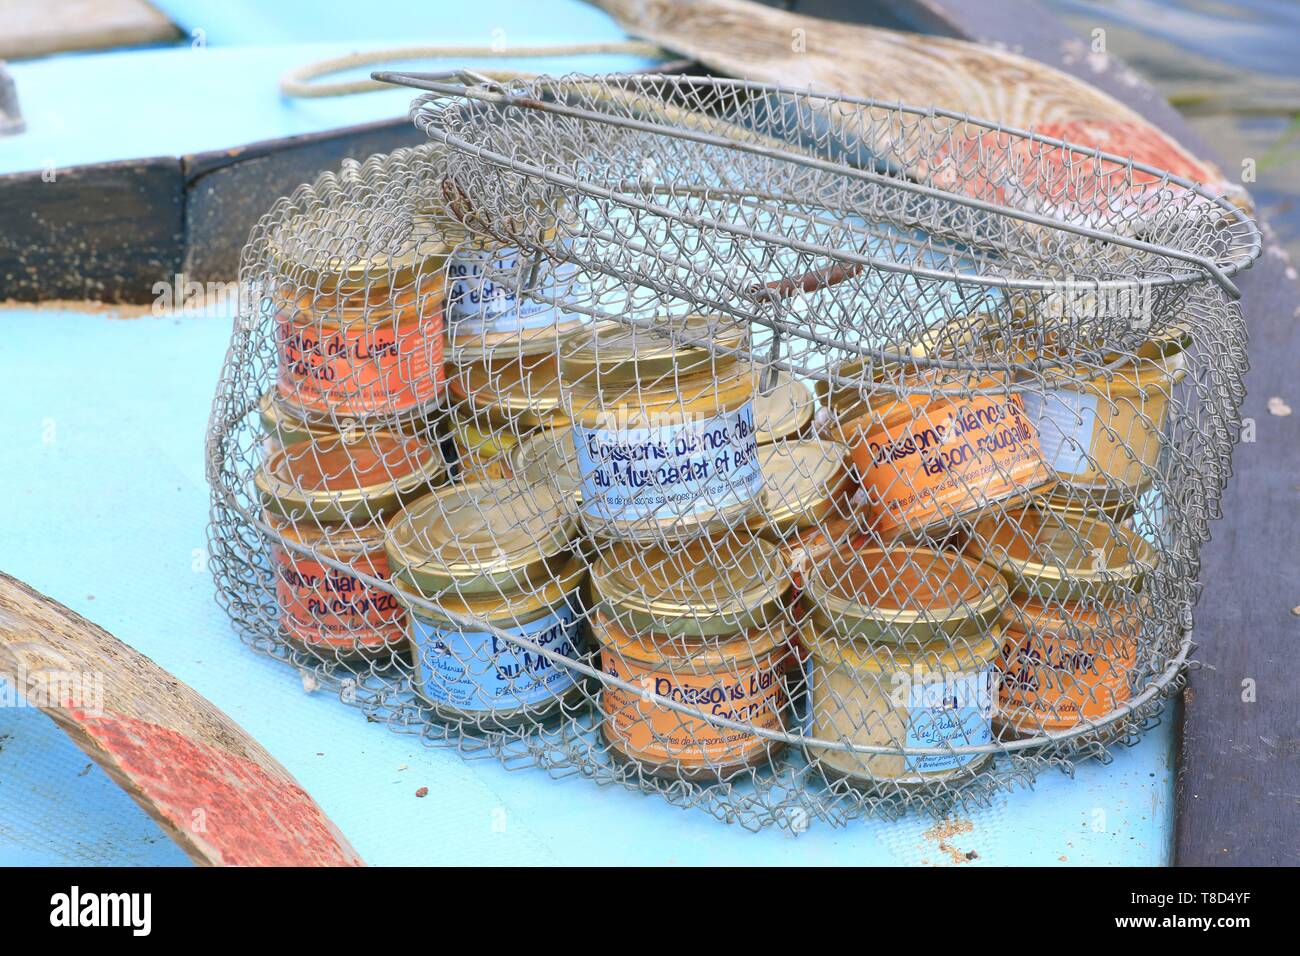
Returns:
(790,456)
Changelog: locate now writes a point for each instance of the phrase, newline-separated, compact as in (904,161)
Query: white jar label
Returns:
(1065,421)
(483,292)
(672,471)
(954,710)
(477,671)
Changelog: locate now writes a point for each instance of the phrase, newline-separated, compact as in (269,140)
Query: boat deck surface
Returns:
(107,508)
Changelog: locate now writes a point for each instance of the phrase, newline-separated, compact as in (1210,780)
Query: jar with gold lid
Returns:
(941,447)
(932,444)
(783,407)
(808,501)
(902,648)
(282,425)
(501,298)
(500,399)
(663,426)
(358,314)
(549,456)
(1106,428)
(706,625)
(331,498)
(487,552)
(1073,628)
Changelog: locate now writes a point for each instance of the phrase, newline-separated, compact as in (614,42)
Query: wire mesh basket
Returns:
(788,455)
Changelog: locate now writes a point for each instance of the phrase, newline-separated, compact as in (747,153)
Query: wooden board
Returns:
(227,191)
(105,232)
(39,27)
(216,792)
(745,39)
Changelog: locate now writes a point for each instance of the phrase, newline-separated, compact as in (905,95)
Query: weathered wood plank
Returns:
(40,27)
(106,232)
(210,786)
(228,190)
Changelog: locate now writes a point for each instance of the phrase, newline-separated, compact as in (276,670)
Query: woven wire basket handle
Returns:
(615,138)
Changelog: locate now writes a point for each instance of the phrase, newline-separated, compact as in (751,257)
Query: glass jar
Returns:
(331,498)
(902,649)
(664,430)
(808,499)
(705,625)
(939,453)
(783,411)
(283,425)
(359,331)
(501,399)
(487,552)
(487,309)
(549,456)
(1074,622)
(1106,430)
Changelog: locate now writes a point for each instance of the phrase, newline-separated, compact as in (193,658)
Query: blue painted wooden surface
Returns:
(103,478)
(89,108)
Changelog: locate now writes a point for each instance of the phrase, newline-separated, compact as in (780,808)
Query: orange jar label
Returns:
(946,458)
(1052,679)
(359,368)
(324,607)
(750,692)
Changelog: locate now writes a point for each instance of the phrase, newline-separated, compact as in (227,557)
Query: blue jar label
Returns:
(483,292)
(477,671)
(672,471)
(954,710)
(1065,422)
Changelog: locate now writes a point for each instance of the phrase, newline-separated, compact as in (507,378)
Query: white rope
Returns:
(297,82)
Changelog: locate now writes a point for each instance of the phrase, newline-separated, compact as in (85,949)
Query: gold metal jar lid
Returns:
(1054,557)
(1113,501)
(507,607)
(288,425)
(521,390)
(707,587)
(333,251)
(550,456)
(904,594)
(784,410)
(931,660)
(627,355)
(484,536)
(358,476)
(803,479)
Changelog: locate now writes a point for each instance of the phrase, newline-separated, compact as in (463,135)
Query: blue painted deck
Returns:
(103,474)
(182,99)
(103,478)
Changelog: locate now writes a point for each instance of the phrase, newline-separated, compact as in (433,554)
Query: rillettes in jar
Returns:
(808,501)
(500,400)
(783,407)
(902,649)
(704,625)
(500,298)
(359,332)
(664,429)
(549,456)
(1105,429)
(1073,629)
(486,552)
(282,425)
(331,498)
(940,447)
